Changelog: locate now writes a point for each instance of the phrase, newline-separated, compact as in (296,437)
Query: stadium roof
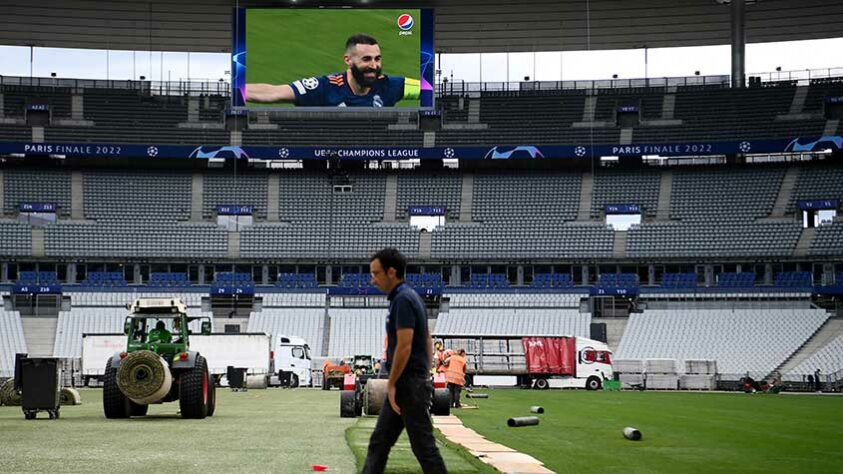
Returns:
(462,26)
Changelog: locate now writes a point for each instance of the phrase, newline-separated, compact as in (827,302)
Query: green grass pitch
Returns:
(279,430)
(682,432)
(283,45)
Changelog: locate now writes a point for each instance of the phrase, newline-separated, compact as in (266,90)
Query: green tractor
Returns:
(157,365)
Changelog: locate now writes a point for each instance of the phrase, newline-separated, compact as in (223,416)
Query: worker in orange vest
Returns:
(455,376)
(438,357)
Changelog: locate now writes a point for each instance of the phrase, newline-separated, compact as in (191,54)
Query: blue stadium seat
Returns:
(736,280)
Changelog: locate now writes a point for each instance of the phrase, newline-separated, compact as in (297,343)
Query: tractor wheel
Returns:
(348,404)
(358,401)
(194,390)
(441,402)
(114,403)
(212,397)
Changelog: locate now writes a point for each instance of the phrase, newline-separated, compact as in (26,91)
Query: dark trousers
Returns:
(413,396)
(455,390)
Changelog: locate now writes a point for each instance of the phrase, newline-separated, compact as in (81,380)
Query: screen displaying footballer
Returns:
(333,58)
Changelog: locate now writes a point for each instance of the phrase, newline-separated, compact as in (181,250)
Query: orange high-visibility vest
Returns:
(440,361)
(455,372)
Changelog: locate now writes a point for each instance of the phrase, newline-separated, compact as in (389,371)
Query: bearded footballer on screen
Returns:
(362,85)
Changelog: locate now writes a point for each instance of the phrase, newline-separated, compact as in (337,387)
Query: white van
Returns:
(292,361)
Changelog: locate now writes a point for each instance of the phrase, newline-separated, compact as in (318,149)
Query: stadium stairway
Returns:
(390,202)
(326,334)
(785,192)
(40,335)
(273,198)
(803,246)
(619,246)
(665,190)
(832,328)
(425,240)
(586,195)
(615,328)
(467,198)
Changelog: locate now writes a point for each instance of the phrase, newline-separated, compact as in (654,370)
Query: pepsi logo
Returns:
(405,22)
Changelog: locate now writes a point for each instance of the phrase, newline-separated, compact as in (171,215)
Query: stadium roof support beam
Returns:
(738,8)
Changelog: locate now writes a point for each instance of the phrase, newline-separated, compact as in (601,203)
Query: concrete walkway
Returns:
(502,458)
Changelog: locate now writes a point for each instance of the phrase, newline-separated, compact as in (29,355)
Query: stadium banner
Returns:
(332,57)
(19,289)
(426,210)
(234,210)
(499,152)
(622,209)
(614,291)
(246,290)
(822,204)
(37,207)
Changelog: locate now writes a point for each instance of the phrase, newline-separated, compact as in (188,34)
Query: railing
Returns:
(443,87)
(460,87)
(803,75)
(191,88)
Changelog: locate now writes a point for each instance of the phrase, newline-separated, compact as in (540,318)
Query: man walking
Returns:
(408,356)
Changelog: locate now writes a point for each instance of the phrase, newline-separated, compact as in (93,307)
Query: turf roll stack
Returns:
(69,396)
(8,395)
(374,395)
(257,381)
(144,377)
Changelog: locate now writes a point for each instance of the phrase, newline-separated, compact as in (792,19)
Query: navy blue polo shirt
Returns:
(407,311)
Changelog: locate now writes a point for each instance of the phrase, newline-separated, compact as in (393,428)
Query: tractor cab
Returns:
(161,326)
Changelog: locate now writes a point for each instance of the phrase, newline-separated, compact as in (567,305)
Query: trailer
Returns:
(97,348)
(538,362)
(252,351)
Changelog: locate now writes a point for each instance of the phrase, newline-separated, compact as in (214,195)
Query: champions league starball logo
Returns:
(579,151)
(283,153)
(152,151)
(449,153)
(745,147)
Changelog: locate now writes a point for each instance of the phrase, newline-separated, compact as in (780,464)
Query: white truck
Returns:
(292,361)
(96,350)
(252,351)
(539,362)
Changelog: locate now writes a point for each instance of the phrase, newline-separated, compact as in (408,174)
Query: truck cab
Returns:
(292,361)
(594,359)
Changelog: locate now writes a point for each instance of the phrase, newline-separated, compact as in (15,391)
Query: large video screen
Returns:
(300,57)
